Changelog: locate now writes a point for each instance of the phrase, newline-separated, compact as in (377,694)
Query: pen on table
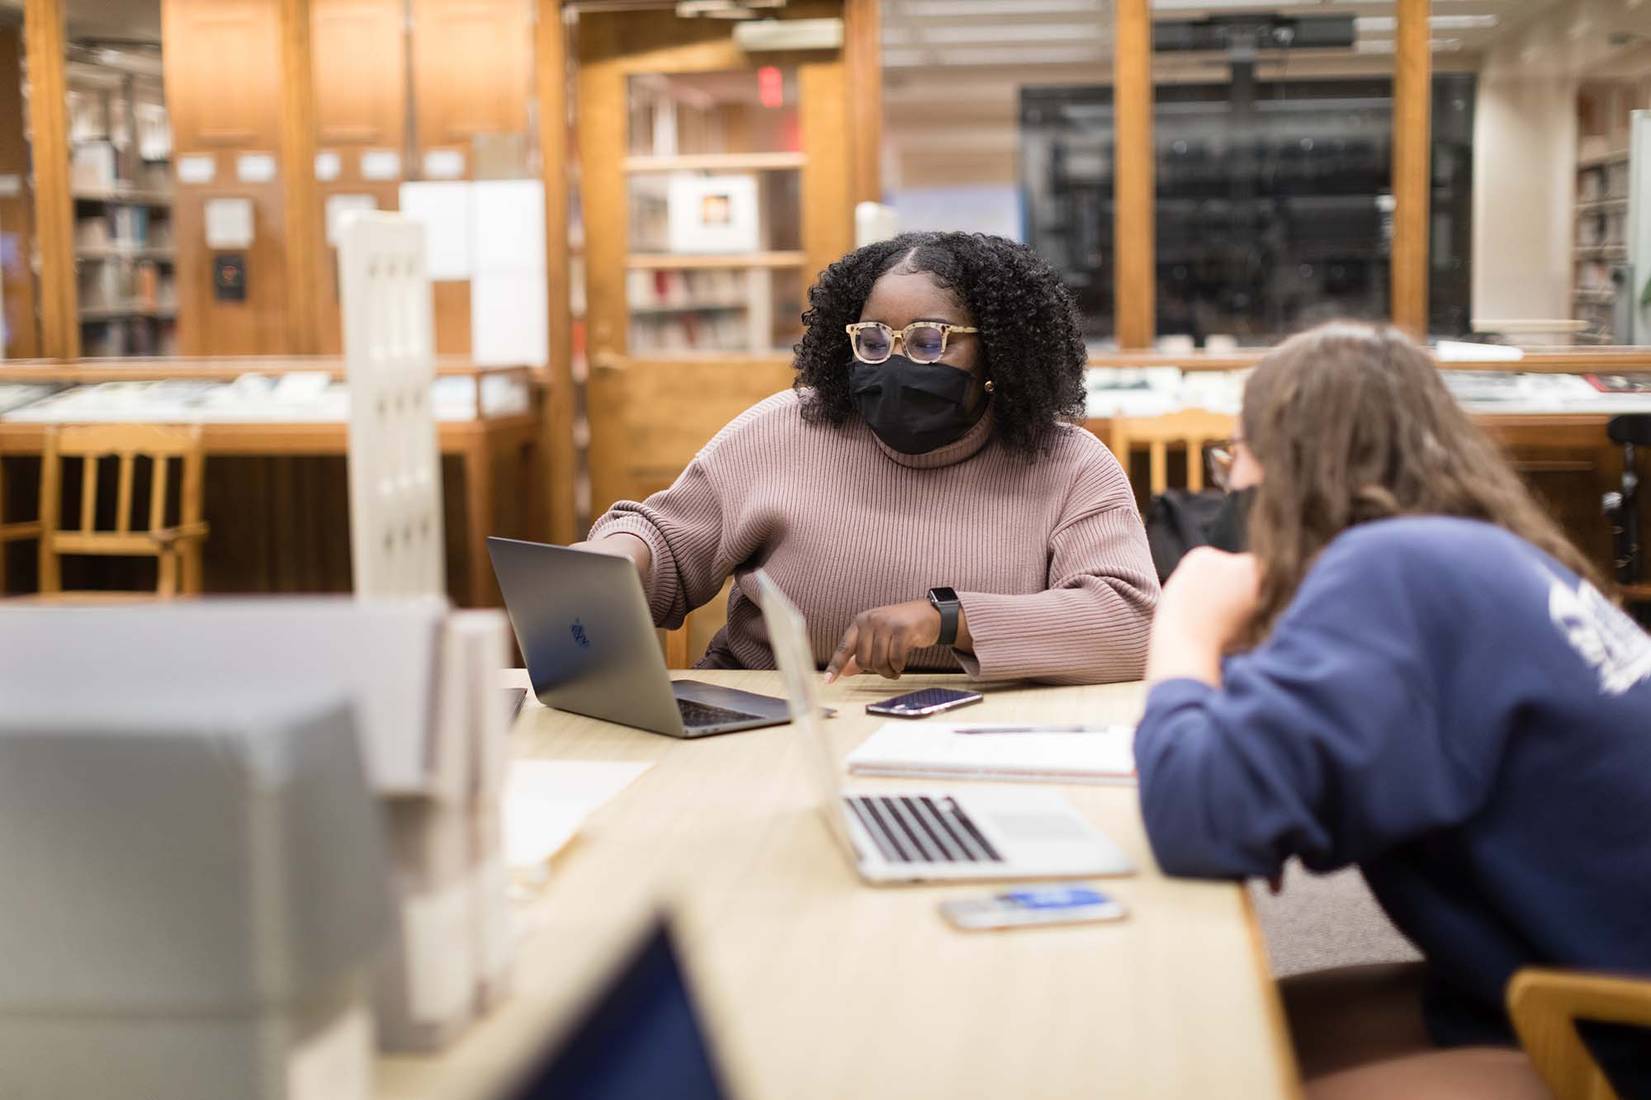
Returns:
(1030,729)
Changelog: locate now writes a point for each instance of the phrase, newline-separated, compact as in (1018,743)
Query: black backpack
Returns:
(1180,519)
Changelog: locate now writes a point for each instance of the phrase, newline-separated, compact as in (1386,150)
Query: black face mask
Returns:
(914,407)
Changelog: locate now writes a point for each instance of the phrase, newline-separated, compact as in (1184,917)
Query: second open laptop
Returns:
(590,647)
(935,834)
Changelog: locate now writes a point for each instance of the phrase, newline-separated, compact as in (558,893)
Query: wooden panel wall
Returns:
(557,444)
(359,49)
(863,58)
(472,70)
(827,177)
(1412,153)
(298,194)
(359,65)
(16,206)
(223,64)
(1134,265)
(656,415)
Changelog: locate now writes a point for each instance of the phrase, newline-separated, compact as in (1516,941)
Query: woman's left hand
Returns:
(882,640)
(1206,604)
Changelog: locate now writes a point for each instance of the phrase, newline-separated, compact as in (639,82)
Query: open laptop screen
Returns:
(639,1041)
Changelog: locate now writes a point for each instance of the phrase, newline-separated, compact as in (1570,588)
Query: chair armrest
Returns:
(26,530)
(1545,1006)
(167,536)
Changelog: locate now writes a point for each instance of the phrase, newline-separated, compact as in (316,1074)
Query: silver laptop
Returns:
(584,628)
(935,834)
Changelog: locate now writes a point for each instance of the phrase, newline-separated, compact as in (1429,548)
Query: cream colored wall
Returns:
(1524,184)
(1525,150)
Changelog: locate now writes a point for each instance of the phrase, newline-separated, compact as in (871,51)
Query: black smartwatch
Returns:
(946,602)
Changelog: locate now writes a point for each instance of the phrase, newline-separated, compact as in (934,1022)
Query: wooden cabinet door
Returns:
(459,95)
(359,51)
(358,54)
(223,74)
(223,92)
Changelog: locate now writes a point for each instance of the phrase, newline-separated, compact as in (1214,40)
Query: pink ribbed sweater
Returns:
(1049,557)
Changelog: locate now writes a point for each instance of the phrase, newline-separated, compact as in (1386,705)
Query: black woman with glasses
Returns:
(921,493)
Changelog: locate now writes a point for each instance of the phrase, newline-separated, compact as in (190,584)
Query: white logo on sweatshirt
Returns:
(1602,634)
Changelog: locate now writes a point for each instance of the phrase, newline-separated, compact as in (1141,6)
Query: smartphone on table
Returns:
(1032,907)
(921,704)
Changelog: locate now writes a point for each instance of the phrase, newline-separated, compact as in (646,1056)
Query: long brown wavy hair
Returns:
(1351,423)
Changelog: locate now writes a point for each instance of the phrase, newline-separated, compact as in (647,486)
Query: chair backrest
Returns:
(1632,428)
(396,541)
(80,532)
(1192,429)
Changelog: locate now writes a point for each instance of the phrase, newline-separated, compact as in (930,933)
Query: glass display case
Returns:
(1273,201)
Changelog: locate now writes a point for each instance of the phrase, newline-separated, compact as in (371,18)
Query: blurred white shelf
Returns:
(717,162)
(127,309)
(665,261)
(129,197)
(115,252)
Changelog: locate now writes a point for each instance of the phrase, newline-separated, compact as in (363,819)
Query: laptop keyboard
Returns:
(696,715)
(919,829)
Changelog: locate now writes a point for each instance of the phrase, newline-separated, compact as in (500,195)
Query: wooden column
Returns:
(863,58)
(53,204)
(1412,144)
(1135,281)
(302,216)
(559,457)
(17,208)
(601,134)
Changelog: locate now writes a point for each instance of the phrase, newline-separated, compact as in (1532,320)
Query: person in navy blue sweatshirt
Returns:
(1414,672)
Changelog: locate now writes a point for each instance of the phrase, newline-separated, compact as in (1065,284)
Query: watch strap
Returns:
(949,609)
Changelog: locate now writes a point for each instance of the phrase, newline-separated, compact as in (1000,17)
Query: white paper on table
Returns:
(229,223)
(545,802)
(509,220)
(444,211)
(1035,752)
(508,322)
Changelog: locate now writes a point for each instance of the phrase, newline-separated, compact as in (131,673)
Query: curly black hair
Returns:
(1031,342)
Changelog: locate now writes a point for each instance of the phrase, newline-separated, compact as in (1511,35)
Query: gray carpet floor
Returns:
(1323,921)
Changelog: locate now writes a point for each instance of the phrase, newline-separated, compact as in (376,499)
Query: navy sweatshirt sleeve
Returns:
(1324,742)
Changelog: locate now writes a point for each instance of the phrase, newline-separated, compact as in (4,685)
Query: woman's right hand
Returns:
(622,545)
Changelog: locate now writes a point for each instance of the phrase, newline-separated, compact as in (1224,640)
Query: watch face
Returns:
(943,595)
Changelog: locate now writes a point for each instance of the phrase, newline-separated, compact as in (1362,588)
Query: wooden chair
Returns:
(685,645)
(14,531)
(176,548)
(1546,1005)
(1190,429)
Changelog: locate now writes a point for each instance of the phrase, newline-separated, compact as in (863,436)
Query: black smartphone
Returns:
(921,704)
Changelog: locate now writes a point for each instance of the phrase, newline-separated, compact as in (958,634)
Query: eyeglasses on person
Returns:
(924,341)
(1222,454)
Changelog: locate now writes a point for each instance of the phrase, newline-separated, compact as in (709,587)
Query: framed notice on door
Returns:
(713,214)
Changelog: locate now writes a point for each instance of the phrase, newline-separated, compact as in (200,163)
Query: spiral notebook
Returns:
(960,750)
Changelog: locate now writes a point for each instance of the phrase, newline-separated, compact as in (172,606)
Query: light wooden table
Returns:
(814,985)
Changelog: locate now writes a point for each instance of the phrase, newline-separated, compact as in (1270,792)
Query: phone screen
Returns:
(917,704)
(1032,906)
